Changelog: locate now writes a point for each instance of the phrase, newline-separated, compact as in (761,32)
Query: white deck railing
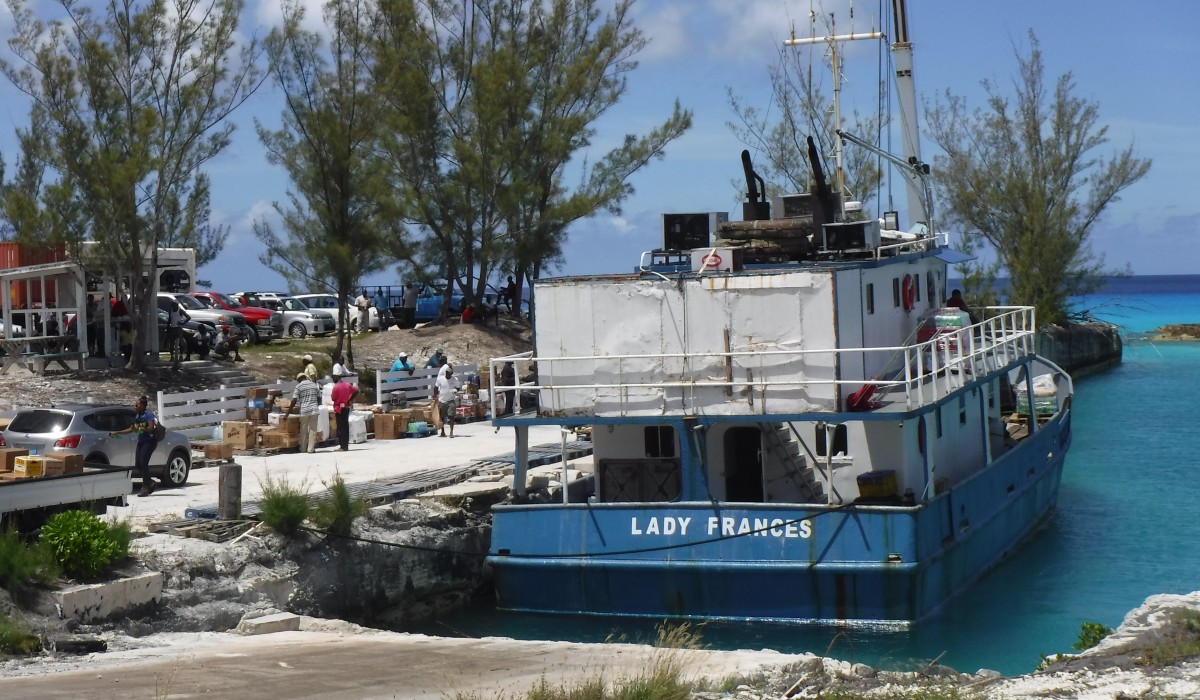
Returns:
(771,380)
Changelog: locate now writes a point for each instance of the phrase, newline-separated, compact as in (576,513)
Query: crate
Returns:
(877,484)
(1044,405)
(218,450)
(241,435)
(29,465)
(8,458)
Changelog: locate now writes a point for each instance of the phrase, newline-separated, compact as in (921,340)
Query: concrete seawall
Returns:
(1081,348)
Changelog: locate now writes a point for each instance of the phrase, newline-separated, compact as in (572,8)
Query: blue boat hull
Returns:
(776,561)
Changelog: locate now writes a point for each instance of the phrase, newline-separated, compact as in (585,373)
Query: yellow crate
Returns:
(29,465)
(877,484)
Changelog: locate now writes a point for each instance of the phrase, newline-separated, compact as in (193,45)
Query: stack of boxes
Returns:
(286,434)
(19,464)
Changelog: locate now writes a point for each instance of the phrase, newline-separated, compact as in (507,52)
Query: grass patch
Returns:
(15,639)
(939,692)
(337,513)
(1178,640)
(284,504)
(22,564)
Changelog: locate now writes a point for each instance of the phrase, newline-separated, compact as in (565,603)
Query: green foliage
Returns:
(15,639)
(22,564)
(1091,634)
(284,505)
(84,545)
(1022,176)
(336,514)
(662,681)
(1178,641)
(130,101)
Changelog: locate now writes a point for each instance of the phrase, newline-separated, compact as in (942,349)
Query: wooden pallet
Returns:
(202,462)
(265,451)
(203,529)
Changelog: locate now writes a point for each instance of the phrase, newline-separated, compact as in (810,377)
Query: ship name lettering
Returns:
(760,527)
(667,525)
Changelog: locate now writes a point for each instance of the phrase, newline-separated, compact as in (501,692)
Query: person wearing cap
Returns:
(306,395)
(227,343)
(446,387)
(343,393)
(310,370)
(403,365)
(437,359)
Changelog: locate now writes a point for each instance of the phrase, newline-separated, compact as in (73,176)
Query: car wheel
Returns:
(98,458)
(354,325)
(177,468)
(297,330)
(254,338)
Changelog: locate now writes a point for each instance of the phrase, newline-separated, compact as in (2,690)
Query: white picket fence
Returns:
(415,387)
(198,413)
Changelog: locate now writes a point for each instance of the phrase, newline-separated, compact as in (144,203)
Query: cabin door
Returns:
(743,465)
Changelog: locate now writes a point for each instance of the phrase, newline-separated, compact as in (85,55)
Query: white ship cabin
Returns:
(754,378)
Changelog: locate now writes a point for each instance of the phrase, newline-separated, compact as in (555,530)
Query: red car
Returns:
(265,324)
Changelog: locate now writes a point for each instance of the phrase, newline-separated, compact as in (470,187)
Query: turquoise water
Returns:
(1125,527)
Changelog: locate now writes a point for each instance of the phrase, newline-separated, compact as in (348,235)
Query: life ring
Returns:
(908,293)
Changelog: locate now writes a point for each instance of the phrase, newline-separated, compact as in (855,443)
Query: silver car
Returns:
(84,429)
(298,319)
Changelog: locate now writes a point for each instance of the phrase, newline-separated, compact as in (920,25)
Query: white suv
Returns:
(328,302)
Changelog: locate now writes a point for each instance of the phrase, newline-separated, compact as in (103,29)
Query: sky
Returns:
(1137,65)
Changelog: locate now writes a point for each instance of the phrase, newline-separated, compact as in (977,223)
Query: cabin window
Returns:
(625,480)
(660,441)
(896,292)
(962,410)
(870,298)
(917,286)
(839,440)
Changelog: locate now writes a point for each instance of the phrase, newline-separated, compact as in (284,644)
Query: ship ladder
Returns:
(780,448)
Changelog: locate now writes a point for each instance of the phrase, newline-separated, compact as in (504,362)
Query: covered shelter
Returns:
(41,306)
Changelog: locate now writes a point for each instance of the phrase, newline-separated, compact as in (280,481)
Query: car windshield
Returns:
(228,301)
(190,303)
(293,304)
(40,421)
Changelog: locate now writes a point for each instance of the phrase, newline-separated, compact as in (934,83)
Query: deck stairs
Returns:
(225,373)
(798,478)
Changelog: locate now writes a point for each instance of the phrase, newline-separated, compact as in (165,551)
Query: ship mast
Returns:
(906,94)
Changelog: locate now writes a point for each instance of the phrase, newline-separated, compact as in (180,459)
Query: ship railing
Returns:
(937,240)
(765,380)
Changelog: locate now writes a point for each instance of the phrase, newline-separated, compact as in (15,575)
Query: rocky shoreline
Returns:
(401,566)
(1177,331)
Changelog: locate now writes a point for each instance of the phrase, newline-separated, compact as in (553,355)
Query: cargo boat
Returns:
(788,424)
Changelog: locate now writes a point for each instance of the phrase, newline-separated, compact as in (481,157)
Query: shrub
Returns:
(22,564)
(284,504)
(336,514)
(15,639)
(1177,641)
(82,544)
(1090,634)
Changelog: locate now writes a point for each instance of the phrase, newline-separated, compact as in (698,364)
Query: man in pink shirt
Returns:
(343,393)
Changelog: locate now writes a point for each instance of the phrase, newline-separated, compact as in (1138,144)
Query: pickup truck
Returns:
(264,324)
(25,503)
(429,303)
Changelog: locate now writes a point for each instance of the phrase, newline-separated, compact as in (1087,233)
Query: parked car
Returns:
(429,302)
(199,312)
(84,429)
(299,320)
(328,302)
(264,324)
(199,336)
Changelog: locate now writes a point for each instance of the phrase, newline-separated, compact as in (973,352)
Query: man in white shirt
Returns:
(446,386)
(363,304)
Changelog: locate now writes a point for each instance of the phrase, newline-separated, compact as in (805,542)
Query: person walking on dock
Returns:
(343,393)
(307,395)
(447,386)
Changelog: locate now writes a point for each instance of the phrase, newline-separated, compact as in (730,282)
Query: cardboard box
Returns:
(284,404)
(289,425)
(72,464)
(386,426)
(257,392)
(29,465)
(8,458)
(218,450)
(240,434)
(275,438)
(257,415)
(54,466)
